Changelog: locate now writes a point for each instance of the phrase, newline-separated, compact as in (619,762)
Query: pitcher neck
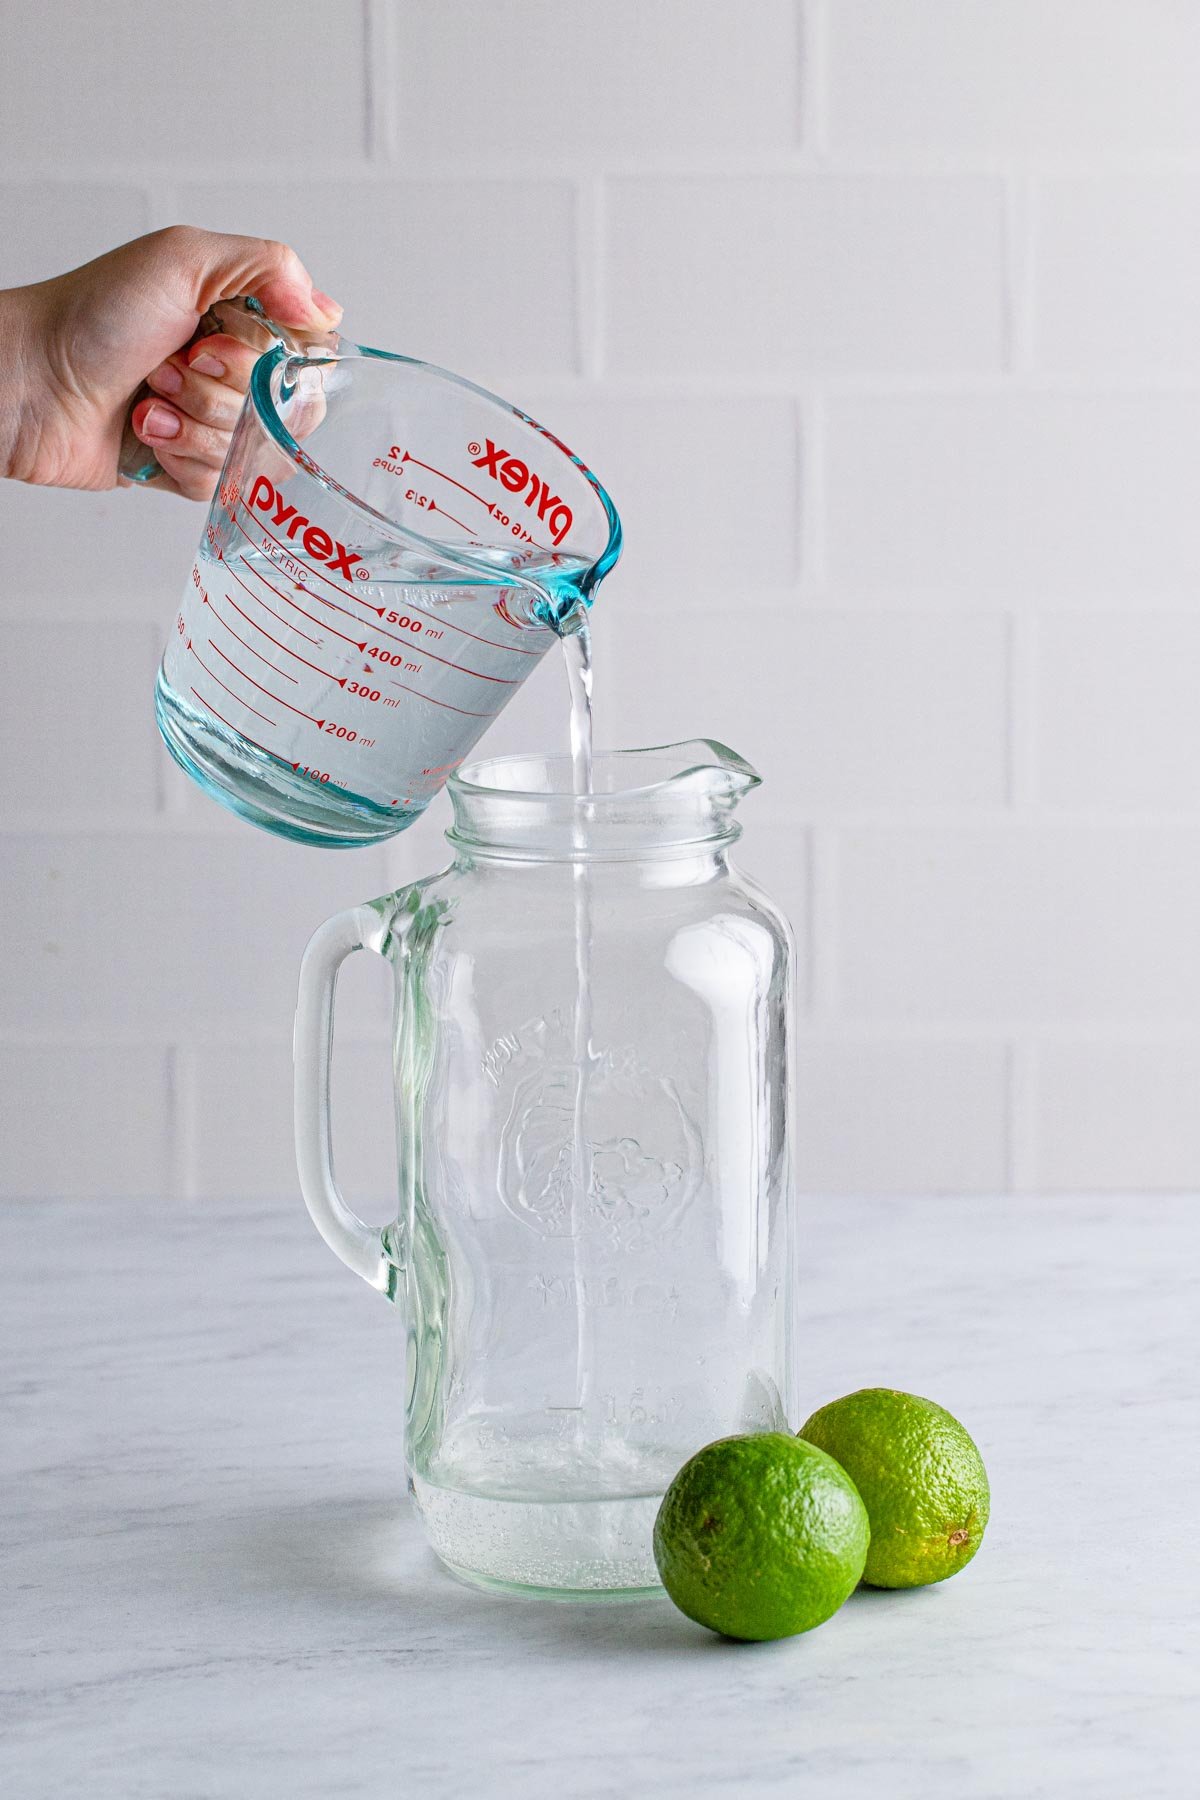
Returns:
(672,804)
(683,867)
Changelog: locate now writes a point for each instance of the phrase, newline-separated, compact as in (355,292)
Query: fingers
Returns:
(194,480)
(200,397)
(207,381)
(224,358)
(164,427)
(211,266)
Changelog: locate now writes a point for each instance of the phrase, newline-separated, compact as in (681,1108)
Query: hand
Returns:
(75,350)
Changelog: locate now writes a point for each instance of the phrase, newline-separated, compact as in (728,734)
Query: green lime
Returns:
(920,1476)
(760,1537)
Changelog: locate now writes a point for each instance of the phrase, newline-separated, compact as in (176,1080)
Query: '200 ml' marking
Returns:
(515,475)
(317,543)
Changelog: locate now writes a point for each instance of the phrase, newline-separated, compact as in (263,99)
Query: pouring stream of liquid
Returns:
(577,651)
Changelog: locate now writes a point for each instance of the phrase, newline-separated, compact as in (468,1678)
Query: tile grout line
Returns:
(813,156)
(812,97)
(1023,712)
(588,269)
(811,491)
(1022,1116)
(1019,276)
(1134,1035)
(179,1125)
(820,945)
(380,82)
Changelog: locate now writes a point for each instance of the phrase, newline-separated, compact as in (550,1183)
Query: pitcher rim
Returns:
(670,817)
(722,759)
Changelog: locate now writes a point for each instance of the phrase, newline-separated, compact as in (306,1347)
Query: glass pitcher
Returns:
(592,1248)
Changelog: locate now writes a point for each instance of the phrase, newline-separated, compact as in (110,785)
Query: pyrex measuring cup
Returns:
(390,552)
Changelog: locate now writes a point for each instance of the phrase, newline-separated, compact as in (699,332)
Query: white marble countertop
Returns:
(214,1587)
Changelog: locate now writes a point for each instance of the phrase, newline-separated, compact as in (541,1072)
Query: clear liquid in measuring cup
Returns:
(387,558)
(333,714)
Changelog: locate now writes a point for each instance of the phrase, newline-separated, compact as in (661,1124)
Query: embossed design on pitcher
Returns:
(637,1186)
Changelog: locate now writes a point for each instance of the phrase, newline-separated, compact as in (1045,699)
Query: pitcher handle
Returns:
(360,1246)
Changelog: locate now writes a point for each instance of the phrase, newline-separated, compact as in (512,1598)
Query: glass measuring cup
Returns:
(390,552)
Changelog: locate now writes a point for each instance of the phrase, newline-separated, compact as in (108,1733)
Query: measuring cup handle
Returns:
(241,317)
(360,1246)
(136,461)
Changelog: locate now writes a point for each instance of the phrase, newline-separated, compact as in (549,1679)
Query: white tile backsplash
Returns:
(879,323)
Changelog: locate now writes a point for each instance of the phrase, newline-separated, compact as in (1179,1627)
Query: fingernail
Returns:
(160,422)
(207,364)
(167,378)
(325,303)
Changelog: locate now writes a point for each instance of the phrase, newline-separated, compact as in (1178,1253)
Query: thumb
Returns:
(213,265)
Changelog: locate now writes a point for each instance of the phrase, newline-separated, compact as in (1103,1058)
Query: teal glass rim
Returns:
(585,579)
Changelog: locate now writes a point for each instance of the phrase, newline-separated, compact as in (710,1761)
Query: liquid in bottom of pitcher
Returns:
(564,1542)
(560,1545)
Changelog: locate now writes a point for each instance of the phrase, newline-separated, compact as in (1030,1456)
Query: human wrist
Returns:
(20,359)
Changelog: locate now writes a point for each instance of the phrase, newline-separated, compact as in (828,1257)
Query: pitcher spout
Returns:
(661,800)
(708,766)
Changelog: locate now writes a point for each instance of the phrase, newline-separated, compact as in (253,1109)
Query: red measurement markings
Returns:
(466,711)
(288,601)
(413,643)
(259,601)
(378,630)
(246,739)
(441,621)
(427,503)
(273,723)
(278,698)
(382,631)
(286,598)
(237,636)
(461,523)
(293,556)
(433,470)
(340,679)
(237,731)
(358,646)
(489,506)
